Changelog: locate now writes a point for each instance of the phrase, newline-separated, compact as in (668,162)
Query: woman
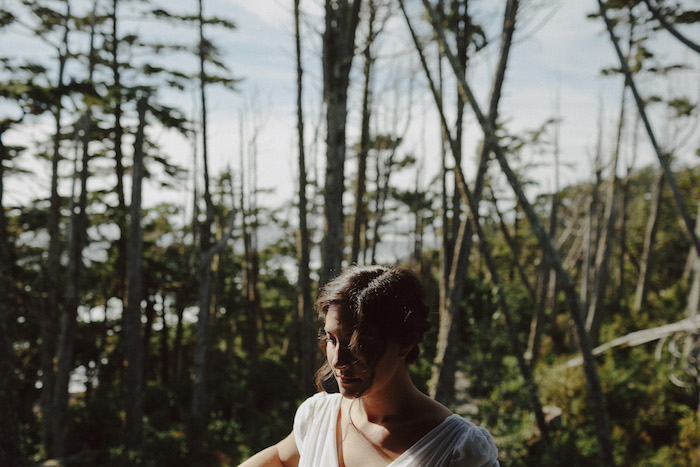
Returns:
(373,320)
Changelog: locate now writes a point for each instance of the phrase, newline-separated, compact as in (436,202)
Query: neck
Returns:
(389,402)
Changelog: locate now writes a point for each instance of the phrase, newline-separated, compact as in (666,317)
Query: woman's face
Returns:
(353,374)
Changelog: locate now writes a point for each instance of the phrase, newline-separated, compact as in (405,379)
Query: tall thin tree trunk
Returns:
(165,367)
(446,249)
(253,255)
(252,330)
(381,194)
(66,338)
(11,448)
(50,308)
(417,210)
(77,237)
(304,302)
(533,343)
(120,287)
(196,227)
(150,314)
(342,17)
(693,306)
(219,294)
(133,350)
(463,37)
(177,344)
(640,294)
(359,220)
(198,410)
(593,221)
(602,273)
(622,233)
(442,382)
(548,279)
(624,202)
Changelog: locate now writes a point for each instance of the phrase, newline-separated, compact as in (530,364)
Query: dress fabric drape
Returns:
(455,442)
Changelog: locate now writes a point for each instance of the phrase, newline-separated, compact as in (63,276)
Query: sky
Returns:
(557,50)
(557,57)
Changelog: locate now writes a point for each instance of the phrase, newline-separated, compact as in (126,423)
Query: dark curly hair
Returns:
(384,304)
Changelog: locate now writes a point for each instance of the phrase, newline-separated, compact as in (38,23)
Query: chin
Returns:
(348,394)
(346,388)
(352,390)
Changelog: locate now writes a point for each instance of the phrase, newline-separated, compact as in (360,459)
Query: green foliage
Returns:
(653,421)
(687,451)
(96,425)
(264,396)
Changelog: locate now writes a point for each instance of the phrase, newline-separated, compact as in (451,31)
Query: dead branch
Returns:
(688,325)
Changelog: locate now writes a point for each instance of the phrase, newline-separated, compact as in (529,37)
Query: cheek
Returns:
(389,362)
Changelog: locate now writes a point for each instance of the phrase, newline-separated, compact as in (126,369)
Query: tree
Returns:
(51,305)
(471,201)
(11,449)
(359,218)
(134,349)
(304,301)
(601,273)
(342,17)
(595,391)
(206,52)
(680,204)
(384,167)
(547,282)
(693,306)
(623,217)
(117,97)
(249,226)
(442,381)
(76,242)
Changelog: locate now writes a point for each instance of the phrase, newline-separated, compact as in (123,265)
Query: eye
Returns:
(323,335)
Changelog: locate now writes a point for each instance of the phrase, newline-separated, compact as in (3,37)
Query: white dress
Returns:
(455,442)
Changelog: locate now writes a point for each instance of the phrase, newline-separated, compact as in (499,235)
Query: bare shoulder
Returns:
(426,415)
(434,409)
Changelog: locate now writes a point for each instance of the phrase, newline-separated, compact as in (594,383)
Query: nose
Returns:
(341,357)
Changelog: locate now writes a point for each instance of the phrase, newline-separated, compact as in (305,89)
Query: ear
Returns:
(405,350)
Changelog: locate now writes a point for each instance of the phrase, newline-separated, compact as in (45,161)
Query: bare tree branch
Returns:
(669,27)
(633,339)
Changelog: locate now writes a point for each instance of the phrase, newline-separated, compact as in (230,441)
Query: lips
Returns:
(346,380)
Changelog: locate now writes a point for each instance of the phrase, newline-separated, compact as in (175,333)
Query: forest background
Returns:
(549,207)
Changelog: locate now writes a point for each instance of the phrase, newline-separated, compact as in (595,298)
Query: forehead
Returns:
(337,321)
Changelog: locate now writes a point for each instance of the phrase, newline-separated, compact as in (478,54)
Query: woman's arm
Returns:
(284,454)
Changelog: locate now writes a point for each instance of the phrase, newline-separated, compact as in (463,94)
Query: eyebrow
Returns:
(331,331)
(335,332)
